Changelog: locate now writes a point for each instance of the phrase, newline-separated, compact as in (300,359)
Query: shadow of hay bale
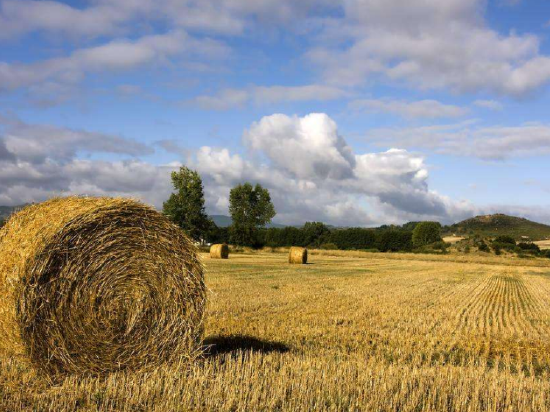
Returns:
(219,345)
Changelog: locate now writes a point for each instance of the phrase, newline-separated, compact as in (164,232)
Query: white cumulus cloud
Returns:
(427,109)
(116,55)
(470,139)
(308,167)
(429,44)
(227,99)
(304,146)
(312,171)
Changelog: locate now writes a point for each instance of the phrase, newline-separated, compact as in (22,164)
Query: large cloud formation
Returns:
(496,143)
(429,44)
(40,161)
(107,17)
(308,166)
(116,55)
(425,44)
(310,170)
(313,173)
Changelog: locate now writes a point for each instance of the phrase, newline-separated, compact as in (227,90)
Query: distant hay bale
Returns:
(91,285)
(219,251)
(297,255)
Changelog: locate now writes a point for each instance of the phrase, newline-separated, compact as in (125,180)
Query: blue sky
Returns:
(359,112)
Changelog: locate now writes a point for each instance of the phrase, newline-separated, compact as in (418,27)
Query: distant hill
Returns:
(221,220)
(500,224)
(225,221)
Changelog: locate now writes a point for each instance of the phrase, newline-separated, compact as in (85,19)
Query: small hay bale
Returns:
(297,255)
(92,285)
(219,251)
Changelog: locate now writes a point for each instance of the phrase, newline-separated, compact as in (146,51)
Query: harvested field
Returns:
(349,331)
(453,239)
(543,244)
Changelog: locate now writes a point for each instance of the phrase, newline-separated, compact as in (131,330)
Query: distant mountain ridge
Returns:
(501,224)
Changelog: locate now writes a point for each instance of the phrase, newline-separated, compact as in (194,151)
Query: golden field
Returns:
(350,331)
(453,239)
(543,244)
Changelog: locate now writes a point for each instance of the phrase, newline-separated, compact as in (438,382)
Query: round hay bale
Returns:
(297,255)
(219,251)
(91,285)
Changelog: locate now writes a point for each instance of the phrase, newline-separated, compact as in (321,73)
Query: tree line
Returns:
(251,209)
(405,238)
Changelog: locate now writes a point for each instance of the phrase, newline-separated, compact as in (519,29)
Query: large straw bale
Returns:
(219,251)
(98,284)
(297,255)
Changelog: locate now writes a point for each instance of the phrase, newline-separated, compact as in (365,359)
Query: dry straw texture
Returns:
(297,255)
(98,284)
(219,251)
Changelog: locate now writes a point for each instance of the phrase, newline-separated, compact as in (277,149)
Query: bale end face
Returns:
(219,251)
(93,285)
(297,255)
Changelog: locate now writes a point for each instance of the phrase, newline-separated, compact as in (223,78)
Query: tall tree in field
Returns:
(426,233)
(250,209)
(185,207)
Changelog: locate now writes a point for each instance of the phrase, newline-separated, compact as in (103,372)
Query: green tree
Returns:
(185,207)
(395,241)
(250,209)
(426,233)
(354,238)
(482,246)
(505,239)
(409,226)
(315,233)
(218,234)
(529,247)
